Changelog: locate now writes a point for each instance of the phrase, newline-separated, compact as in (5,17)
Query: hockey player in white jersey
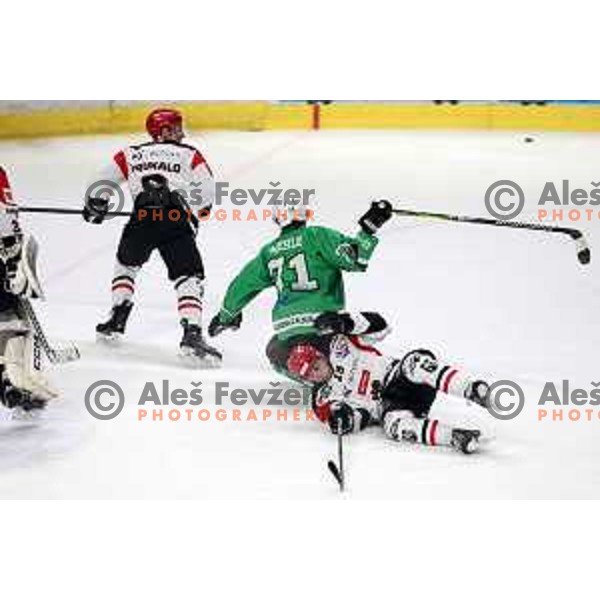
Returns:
(21,386)
(356,386)
(166,177)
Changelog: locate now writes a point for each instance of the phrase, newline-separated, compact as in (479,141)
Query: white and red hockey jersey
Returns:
(358,373)
(361,372)
(183,165)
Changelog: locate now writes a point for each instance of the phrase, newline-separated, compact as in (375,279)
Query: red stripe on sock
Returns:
(448,379)
(432,431)
(190,305)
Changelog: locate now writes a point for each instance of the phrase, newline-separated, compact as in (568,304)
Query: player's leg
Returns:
(134,250)
(405,418)
(403,426)
(186,270)
(422,367)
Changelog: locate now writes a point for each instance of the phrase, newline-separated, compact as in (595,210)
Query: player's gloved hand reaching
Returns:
(95,210)
(332,322)
(217,327)
(363,323)
(378,214)
(341,418)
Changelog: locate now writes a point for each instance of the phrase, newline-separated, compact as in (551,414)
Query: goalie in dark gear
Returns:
(21,385)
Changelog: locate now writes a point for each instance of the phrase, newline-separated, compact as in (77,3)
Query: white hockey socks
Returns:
(123,283)
(402,426)
(190,291)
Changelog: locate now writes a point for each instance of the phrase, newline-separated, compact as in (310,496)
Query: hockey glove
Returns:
(95,210)
(341,418)
(378,214)
(217,327)
(332,322)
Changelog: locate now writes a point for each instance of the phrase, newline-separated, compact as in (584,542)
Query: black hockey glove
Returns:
(217,327)
(95,210)
(379,213)
(363,323)
(332,322)
(341,418)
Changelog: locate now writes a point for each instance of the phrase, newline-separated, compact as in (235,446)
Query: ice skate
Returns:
(465,440)
(194,349)
(479,393)
(113,329)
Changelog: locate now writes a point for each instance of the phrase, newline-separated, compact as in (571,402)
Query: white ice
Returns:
(508,304)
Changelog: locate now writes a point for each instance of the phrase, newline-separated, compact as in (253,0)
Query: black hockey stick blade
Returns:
(336,473)
(584,254)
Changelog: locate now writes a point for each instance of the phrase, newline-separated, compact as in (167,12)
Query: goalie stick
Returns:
(55,355)
(583,250)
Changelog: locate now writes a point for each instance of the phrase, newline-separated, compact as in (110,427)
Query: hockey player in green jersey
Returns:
(317,343)
(305,264)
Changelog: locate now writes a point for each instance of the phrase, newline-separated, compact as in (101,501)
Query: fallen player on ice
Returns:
(355,386)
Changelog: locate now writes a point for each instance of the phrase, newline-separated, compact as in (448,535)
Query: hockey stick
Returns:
(62,211)
(338,470)
(53,354)
(583,249)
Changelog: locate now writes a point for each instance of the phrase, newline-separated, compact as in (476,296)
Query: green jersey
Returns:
(305,265)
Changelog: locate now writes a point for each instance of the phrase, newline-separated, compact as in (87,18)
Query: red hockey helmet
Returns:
(162,118)
(301,360)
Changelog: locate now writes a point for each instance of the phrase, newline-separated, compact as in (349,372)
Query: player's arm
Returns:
(98,196)
(201,192)
(353,253)
(252,280)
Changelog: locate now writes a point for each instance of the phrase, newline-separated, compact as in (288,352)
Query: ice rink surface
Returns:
(508,304)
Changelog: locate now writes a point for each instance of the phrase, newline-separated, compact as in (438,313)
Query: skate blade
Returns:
(20,414)
(191,360)
(111,339)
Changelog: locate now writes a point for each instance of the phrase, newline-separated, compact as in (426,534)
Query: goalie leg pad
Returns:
(18,370)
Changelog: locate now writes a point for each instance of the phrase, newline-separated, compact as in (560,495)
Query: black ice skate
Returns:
(114,328)
(194,347)
(479,392)
(16,398)
(465,440)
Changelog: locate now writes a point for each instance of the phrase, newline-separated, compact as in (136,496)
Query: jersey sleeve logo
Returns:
(340,348)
